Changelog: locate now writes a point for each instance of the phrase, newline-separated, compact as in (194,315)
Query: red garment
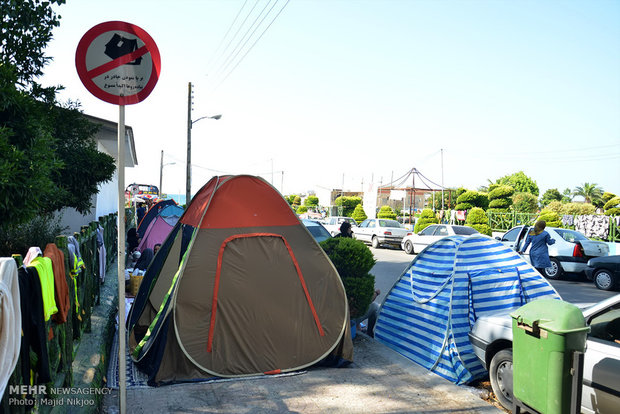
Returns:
(61,289)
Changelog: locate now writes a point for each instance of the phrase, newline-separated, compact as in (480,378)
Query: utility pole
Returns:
(188,174)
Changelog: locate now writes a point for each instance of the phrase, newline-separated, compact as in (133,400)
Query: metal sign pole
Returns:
(122,390)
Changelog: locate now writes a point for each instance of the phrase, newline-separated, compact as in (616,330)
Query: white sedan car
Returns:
(570,252)
(332,224)
(491,338)
(414,243)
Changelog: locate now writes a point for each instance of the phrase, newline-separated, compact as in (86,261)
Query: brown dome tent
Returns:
(238,288)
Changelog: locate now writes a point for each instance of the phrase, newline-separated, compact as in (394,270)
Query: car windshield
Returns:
(464,230)
(318,232)
(570,235)
(389,223)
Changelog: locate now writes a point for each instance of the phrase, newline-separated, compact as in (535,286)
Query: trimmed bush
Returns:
(348,204)
(302,209)
(359,214)
(427,217)
(474,198)
(500,203)
(501,192)
(311,201)
(551,218)
(612,203)
(353,261)
(578,209)
(555,206)
(613,211)
(463,206)
(386,212)
(477,219)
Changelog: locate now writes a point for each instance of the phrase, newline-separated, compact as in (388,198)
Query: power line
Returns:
(240,46)
(252,46)
(213,60)
(226,48)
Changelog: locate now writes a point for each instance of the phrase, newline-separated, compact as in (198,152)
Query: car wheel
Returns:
(604,279)
(500,374)
(408,247)
(555,271)
(375,242)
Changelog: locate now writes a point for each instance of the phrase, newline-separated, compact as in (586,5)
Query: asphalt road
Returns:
(391,263)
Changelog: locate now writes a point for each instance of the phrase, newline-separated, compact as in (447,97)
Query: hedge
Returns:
(427,217)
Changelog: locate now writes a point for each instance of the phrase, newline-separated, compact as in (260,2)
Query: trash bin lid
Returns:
(552,315)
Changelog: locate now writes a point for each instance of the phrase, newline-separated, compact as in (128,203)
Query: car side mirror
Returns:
(498,238)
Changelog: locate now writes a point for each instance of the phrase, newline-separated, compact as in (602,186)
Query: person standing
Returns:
(539,253)
(345,230)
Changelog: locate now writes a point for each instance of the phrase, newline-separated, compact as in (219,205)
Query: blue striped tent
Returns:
(430,310)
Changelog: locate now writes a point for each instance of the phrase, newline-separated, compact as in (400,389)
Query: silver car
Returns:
(380,231)
(415,243)
(332,224)
(570,252)
(491,338)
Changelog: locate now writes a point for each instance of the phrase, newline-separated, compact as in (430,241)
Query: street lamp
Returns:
(188,181)
(161,170)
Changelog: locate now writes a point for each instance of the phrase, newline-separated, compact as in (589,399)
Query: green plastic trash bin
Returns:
(545,334)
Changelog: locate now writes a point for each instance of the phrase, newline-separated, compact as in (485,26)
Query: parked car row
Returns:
(572,251)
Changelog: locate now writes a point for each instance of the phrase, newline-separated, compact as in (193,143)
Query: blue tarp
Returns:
(430,310)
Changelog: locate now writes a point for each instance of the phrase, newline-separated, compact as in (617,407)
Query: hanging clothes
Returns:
(75,267)
(33,326)
(593,226)
(32,253)
(10,320)
(102,253)
(76,248)
(61,289)
(568,220)
(46,276)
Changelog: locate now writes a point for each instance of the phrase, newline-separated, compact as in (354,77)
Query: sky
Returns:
(323,94)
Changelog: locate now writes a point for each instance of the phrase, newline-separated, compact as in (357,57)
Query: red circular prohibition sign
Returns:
(86,75)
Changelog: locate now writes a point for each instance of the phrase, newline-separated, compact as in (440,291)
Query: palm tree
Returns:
(590,192)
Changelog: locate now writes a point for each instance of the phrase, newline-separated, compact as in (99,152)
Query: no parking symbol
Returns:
(118,62)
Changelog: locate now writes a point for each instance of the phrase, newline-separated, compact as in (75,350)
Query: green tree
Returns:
(520,182)
(607,196)
(578,208)
(550,195)
(427,217)
(48,159)
(478,219)
(359,214)
(500,197)
(353,261)
(470,199)
(302,209)
(386,212)
(555,206)
(550,217)
(567,195)
(348,204)
(449,199)
(311,201)
(589,191)
(525,203)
